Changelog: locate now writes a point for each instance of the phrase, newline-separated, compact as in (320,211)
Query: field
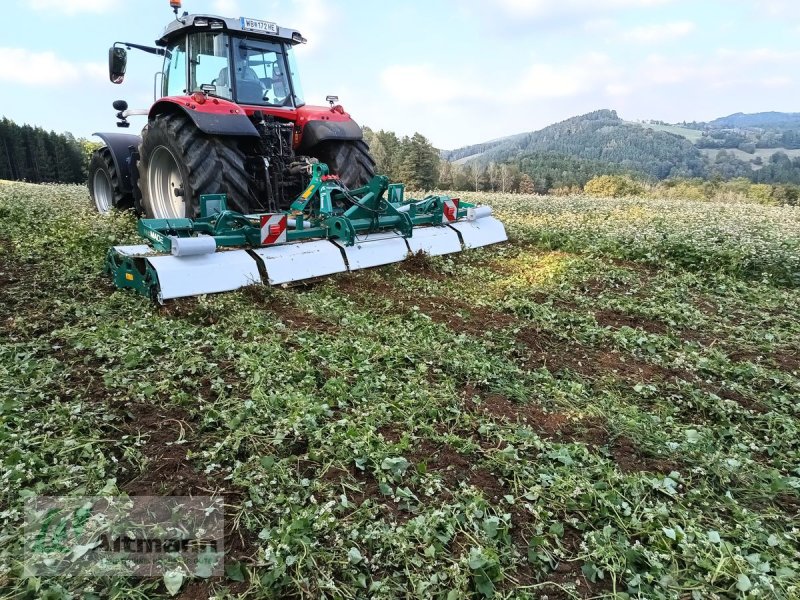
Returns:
(607,406)
(764,153)
(690,134)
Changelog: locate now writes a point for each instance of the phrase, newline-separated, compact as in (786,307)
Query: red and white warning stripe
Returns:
(450,210)
(273,229)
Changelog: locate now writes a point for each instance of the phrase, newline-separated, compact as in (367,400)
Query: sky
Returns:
(457,71)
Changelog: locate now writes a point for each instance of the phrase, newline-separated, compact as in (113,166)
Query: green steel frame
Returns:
(370,211)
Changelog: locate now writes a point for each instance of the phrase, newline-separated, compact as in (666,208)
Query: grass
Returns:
(690,134)
(607,406)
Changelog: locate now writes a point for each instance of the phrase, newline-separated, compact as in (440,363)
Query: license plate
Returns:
(260,26)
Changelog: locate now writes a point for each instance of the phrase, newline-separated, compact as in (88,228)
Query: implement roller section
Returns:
(328,229)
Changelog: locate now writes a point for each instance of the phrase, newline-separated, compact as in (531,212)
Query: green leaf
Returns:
(484,586)
(354,556)
(476,559)
(267,461)
(557,529)
(205,564)
(234,571)
(397,466)
(173,580)
(743,583)
(79,550)
(590,571)
(692,436)
(669,532)
(713,537)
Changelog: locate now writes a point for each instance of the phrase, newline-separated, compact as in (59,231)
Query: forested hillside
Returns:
(763,120)
(762,147)
(600,136)
(35,155)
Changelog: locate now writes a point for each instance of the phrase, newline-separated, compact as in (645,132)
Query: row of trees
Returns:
(735,190)
(748,141)
(35,155)
(410,160)
(414,161)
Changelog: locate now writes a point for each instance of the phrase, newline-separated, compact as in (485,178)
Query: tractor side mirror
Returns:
(117,61)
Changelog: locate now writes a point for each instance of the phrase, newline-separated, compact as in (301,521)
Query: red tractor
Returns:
(231,120)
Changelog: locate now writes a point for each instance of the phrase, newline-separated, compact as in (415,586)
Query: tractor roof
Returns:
(249,27)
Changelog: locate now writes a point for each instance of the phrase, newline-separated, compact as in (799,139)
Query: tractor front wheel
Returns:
(350,160)
(104,183)
(179,163)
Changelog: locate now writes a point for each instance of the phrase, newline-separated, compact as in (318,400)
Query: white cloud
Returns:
(618,89)
(758,56)
(71,7)
(777,81)
(660,33)
(312,19)
(545,9)
(422,84)
(427,85)
(18,65)
(599,25)
(776,8)
(227,8)
(543,80)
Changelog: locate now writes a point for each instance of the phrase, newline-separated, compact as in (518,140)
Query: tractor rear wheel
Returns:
(179,163)
(349,159)
(104,183)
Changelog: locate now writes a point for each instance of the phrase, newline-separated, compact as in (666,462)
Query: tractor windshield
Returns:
(263,73)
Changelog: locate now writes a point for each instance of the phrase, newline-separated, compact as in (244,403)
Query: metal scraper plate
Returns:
(481,232)
(180,276)
(296,262)
(135,250)
(374,250)
(434,241)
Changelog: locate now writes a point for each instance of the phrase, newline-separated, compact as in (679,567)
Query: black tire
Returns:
(175,155)
(348,159)
(104,183)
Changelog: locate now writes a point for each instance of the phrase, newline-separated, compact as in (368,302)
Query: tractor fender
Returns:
(119,144)
(315,132)
(214,116)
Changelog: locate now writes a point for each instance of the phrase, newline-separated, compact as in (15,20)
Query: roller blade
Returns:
(300,261)
(434,241)
(182,276)
(374,250)
(480,232)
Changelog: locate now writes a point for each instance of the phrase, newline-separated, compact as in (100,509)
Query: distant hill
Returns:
(762,120)
(599,137)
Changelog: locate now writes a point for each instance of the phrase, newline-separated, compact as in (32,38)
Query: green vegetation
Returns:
(32,154)
(414,161)
(604,407)
(693,135)
(613,186)
(738,190)
(762,148)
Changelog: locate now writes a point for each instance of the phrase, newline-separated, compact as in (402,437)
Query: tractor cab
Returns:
(246,61)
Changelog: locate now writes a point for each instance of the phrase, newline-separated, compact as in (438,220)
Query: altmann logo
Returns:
(141,536)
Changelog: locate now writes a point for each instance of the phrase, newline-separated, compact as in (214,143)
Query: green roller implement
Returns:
(327,229)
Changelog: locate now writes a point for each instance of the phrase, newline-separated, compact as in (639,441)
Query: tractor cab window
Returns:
(208,63)
(174,83)
(261,73)
(295,78)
